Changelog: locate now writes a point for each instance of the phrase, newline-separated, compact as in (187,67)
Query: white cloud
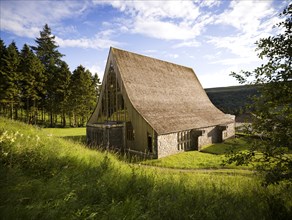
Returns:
(220,77)
(241,45)
(191,43)
(246,16)
(163,30)
(253,20)
(149,52)
(174,56)
(167,20)
(158,9)
(96,69)
(237,60)
(26,18)
(98,42)
(213,56)
(18,28)
(210,3)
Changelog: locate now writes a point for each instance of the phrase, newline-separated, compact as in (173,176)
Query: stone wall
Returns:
(167,145)
(229,132)
(208,136)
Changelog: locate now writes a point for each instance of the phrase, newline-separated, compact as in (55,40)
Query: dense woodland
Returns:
(36,85)
(234,99)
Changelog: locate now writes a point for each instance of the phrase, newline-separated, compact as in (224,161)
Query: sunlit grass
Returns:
(46,177)
(211,157)
(61,132)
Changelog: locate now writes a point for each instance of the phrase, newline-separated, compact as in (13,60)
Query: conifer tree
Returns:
(10,89)
(62,91)
(3,50)
(46,51)
(33,82)
(82,96)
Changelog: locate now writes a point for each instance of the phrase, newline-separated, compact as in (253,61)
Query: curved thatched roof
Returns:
(168,96)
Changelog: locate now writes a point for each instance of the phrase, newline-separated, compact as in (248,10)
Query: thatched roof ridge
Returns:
(168,96)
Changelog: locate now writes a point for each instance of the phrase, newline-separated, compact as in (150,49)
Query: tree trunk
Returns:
(11,111)
(51,119)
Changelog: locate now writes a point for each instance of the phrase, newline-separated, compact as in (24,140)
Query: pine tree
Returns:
(33,82)
(82,96)
(3,51)
(46,51)
(10,90)
(62,91)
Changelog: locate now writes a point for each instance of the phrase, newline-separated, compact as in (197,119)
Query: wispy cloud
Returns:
(166,20)
(26,18)
(245,16)
(96,42)
(210,3)
(191,43)
(18,19)
(251,24)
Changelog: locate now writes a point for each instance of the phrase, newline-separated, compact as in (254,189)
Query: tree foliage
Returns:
(38,82)
(272,110)
(83,95)
(10,89)
(33,82)
(46,51)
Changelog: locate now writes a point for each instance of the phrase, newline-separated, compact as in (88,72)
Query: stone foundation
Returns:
(168,144)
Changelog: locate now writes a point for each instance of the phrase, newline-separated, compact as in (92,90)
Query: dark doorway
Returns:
(149,143)
(220,129)
(195,134)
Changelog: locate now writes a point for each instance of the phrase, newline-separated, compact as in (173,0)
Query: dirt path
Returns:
(201,170)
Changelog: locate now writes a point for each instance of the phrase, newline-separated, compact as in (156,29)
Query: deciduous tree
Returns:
(272,110)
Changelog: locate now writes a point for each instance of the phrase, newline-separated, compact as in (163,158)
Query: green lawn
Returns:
(211,157)
(62,132)
(47,177)
(73,134)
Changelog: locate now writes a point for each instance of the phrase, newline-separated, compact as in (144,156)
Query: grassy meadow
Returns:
(74,134)
(43,176)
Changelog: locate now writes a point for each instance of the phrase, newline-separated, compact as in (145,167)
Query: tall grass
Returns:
(45,177)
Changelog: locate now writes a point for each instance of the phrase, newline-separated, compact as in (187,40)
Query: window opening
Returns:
(130,131)
(112,102)
(149,142)
(183,140)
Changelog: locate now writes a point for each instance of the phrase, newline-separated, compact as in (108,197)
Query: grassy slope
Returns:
(44,177)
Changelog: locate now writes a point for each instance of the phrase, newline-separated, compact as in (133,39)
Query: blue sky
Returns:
(211,36)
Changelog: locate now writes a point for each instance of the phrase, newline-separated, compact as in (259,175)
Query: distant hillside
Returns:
(233,99)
